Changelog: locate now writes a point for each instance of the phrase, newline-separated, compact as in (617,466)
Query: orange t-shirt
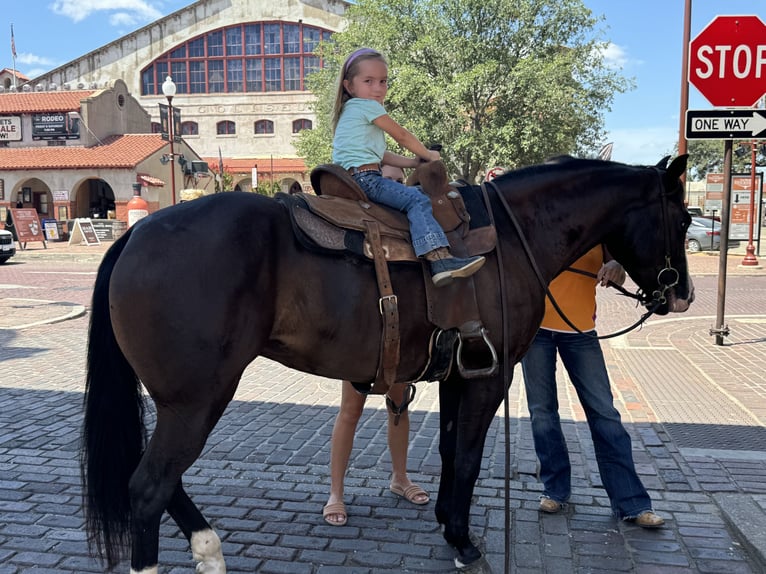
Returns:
(575,295)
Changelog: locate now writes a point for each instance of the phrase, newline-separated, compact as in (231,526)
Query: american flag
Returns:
(13,43)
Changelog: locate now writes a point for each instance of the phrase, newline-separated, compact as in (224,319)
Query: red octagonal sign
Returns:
(727,61)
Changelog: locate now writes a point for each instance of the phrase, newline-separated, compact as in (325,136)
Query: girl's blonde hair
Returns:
(347,72)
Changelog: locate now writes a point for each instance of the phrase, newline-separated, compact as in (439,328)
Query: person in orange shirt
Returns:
(584,361)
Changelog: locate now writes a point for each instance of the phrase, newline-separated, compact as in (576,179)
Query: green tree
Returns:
(223,182)
(497,82)
(706,156)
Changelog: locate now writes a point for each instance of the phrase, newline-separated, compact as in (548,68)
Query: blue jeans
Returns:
(425,231)
(584,361)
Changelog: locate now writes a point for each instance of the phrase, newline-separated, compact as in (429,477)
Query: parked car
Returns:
(7,246)
(698,212)
(704,234)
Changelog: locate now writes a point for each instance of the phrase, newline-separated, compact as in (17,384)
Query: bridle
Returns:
(667,278)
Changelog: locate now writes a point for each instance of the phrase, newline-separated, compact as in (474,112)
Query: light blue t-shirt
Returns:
(357,140)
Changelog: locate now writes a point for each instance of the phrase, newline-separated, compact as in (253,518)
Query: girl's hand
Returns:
(433,155)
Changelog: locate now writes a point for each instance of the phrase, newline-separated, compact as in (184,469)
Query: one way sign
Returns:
(725,124)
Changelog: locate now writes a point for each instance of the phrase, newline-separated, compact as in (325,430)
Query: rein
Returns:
(506,384)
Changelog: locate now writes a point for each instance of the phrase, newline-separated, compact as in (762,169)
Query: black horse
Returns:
(183,312)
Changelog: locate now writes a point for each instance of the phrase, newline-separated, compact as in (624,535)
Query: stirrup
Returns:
(477,373)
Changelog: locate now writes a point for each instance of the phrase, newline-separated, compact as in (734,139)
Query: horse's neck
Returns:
(562,221)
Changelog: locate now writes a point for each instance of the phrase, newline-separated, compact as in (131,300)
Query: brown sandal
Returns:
(335,509)
(411,493)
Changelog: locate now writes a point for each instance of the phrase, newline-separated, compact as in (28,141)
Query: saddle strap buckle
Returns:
(481,372)
(388,301)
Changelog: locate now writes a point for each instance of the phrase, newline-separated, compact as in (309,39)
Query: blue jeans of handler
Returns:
(584,361)
(425,231)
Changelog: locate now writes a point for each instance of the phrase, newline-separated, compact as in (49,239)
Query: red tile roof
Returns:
(150,181)
(41,102)
(245,165)
(11,72)
(124,151)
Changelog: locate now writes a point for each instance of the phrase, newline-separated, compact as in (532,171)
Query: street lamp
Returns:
(169,89)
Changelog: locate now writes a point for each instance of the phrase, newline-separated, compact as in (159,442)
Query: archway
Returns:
(94,198)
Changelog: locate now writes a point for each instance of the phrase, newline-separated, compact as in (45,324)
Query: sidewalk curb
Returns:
(747,519)
(48,307)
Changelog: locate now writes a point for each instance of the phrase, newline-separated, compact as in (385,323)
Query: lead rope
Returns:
(506,388)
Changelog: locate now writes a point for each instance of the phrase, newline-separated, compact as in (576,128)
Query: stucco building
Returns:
(239,68)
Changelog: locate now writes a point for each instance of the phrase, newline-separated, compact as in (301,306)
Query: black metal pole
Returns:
(721,330)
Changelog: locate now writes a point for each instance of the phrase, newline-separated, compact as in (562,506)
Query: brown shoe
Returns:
(549,505)
(649,519)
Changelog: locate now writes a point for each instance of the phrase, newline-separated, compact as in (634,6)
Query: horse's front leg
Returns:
(449,406)
(470,416)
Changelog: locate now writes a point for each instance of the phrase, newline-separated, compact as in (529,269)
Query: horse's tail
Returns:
(113,429)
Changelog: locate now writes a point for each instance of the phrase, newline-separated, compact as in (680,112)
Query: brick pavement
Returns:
(694,411)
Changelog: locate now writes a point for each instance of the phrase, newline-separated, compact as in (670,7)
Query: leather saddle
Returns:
(340,208)
(341,217)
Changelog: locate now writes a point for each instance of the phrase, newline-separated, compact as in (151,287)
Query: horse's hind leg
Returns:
(205,544)
(155,486)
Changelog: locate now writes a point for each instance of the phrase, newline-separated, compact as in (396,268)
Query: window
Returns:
(215,43)
(226,127)
(147,81)
(292,67)
(274,74)
(156,128)
(189,129)
(234,41)
(254,57)
(197,84)
(302,124)
(264,127)
(292,39)
(311,37)
(214,76)
(197,48)
(234,76)
(253,39)
(271,39)
(178,72)
(254,75)
(43,203)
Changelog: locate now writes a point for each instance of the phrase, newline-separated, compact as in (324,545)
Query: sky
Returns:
(645,41)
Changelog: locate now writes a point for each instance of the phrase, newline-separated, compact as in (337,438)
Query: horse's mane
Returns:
(553,166)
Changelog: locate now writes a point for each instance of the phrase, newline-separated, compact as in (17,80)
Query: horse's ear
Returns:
(678,166)
(663,163)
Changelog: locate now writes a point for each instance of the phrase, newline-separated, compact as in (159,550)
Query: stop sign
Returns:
(727,61)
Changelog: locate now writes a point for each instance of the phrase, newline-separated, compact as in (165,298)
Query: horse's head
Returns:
(650,242)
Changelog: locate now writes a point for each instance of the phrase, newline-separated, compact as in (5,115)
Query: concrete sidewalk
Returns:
(695,411)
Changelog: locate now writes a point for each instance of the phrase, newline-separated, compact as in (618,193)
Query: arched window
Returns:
(268,56)
(226,128)
(264,127)
(189,129)
(302,124)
